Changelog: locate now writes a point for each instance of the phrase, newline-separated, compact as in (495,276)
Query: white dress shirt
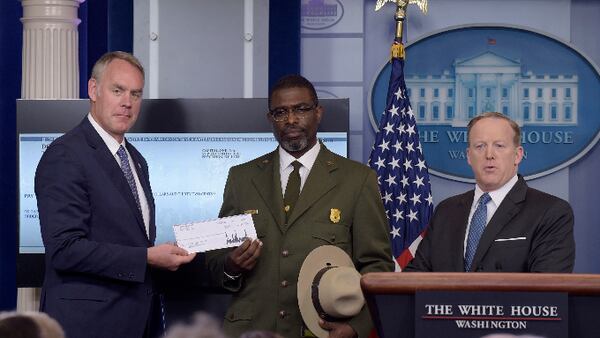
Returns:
(285,165)
(113,146)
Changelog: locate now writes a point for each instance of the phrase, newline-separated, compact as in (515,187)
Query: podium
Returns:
(391,296)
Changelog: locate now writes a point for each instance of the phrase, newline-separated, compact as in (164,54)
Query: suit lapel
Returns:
(318,183)
(268,185)
(108,163)
(145,182)
(462,218)
(509,207)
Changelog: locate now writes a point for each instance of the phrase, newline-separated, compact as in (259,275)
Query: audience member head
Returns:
(201,325)
(509,335)
(260,334)
(29,325)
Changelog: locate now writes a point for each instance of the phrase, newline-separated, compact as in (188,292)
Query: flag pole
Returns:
(398,47)
(401,6)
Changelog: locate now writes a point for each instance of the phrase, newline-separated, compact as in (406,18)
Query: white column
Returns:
(499,89)
(50,49)
(50,69)
(478,94)
(515,100)
(459,99)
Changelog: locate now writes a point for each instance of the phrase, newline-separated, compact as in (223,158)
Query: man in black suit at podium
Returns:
(502,225)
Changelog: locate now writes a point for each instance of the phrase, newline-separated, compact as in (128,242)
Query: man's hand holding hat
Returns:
(329,292)
(338,330)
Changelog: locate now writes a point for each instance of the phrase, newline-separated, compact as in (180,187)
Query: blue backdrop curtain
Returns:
(284,39)
(105,26)
(10,90)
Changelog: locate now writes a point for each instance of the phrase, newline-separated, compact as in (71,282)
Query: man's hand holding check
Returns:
(243,258)
(234,231)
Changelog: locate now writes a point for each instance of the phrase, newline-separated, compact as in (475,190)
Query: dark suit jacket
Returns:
(540,226)
(266,297)
(97,283)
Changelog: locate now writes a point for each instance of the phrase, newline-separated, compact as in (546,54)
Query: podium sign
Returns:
(485,314)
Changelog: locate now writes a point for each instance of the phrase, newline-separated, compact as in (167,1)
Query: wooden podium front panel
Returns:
(391,296)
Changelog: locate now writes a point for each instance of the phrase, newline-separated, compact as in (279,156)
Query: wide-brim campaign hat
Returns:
(328,288)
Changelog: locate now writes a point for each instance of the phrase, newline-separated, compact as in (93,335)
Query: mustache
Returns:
(288,129)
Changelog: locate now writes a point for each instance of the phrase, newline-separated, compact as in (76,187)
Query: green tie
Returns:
(292,190)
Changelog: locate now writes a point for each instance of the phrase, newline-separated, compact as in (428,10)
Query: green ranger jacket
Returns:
(339,205)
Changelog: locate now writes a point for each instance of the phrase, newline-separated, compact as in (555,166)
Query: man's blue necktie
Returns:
(131,181)
(128,174)
(476,229)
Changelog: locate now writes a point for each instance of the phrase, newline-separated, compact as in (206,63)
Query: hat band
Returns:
(315,295)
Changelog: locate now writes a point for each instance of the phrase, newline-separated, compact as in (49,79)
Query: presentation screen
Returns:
(188,160)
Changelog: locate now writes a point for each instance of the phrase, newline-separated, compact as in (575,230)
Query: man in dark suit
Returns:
(97,216)
(301,196)
(502,225)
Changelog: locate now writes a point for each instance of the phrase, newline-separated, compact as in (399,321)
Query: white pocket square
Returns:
(510,239)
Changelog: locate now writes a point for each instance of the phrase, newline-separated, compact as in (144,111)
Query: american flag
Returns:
(397,156)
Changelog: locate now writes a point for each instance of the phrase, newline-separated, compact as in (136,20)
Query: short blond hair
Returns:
(495,115)
(107,58)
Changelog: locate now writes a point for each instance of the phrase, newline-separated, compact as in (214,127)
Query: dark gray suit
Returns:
(531,231)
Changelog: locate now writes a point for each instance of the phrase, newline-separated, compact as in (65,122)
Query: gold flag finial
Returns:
(401,13)
(421,3)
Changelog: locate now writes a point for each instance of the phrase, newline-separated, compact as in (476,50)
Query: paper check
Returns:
(215,234)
